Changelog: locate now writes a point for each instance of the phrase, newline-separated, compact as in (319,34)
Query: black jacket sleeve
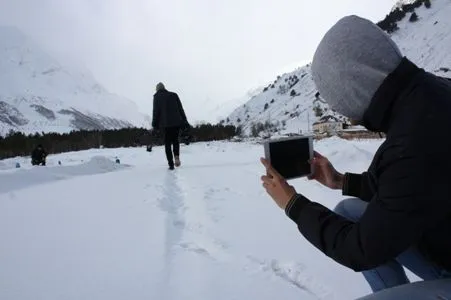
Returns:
(182,111)
(357,185)
(156,113)
(406,205)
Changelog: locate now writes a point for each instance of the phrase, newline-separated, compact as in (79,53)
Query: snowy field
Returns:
(93,229)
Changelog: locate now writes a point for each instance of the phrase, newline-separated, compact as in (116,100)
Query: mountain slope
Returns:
(427,41)
(289,103)
(37,93)
(291,100)
(226,108)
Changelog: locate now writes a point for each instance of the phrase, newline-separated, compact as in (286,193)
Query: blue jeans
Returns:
(392,273)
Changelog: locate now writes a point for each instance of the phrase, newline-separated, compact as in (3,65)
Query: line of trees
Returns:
(390,24)
(18,144)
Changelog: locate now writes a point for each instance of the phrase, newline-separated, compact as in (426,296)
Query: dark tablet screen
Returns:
(290,158)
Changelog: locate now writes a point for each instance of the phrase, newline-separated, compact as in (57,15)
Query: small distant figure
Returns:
(17,165)
(169,118)
(38,156)
(59,162)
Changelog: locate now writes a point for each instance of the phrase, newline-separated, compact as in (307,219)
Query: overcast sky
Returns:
(208,51)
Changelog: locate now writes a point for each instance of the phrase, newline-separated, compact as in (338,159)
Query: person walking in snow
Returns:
(38,156)
(399,213)
(169,118)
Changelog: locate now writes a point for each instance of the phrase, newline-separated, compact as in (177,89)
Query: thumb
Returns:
(271,171)
(316,154)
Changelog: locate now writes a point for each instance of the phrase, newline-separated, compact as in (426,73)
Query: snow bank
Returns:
(3,166)
(13,179)
(342,152)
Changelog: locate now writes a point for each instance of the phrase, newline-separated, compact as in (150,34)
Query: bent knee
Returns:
(351,208)
(340,208)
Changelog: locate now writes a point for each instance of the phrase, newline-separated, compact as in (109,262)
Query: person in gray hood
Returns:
(350,64)
(399,213)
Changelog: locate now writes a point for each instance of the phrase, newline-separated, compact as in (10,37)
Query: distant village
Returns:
(329,126)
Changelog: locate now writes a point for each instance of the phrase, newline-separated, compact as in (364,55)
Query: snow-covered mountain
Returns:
(291,102)
(38,94)
(226,108)
(427,40)
(400,3)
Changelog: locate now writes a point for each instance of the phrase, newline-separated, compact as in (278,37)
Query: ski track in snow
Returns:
(174,205)
(186,223)
(197,221)
(294,274)
(189,234)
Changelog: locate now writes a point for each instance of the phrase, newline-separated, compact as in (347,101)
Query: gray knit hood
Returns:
(350,64)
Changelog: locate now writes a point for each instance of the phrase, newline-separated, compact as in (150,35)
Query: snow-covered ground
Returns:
(94,229)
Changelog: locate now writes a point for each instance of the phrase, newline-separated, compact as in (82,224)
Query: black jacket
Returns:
(38,154)
(167,110)
(408,184)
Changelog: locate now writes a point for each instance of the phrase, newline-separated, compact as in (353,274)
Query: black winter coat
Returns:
(167,110)
(408,184)
(38,155)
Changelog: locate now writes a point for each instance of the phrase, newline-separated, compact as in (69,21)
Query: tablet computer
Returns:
(290,156)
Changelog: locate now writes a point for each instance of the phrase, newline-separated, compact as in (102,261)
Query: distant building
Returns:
(328,124)
(353,132)
(354,128)
(327,127)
